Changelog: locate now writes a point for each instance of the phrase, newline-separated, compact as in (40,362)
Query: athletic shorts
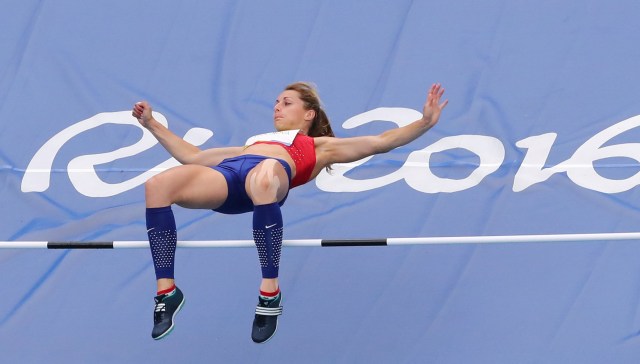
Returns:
(235,171)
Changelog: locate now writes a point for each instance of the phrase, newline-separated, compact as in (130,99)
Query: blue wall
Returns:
(540,137)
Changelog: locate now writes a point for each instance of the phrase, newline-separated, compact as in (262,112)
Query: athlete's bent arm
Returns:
(183,151)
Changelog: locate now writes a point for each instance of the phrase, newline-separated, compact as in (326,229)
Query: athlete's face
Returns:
(289,112)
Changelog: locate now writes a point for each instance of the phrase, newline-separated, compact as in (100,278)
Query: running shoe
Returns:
(167,306)
(265,322)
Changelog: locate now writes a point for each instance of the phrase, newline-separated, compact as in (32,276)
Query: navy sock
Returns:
(161,229)
(267,234)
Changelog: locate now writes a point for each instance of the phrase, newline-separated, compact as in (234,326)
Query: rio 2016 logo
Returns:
(416,170)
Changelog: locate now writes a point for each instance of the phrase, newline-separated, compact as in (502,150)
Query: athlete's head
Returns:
(299,107)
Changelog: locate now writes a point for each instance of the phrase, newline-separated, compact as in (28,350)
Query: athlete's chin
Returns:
(279,126)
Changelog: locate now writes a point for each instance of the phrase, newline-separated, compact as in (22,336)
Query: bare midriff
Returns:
(271,150)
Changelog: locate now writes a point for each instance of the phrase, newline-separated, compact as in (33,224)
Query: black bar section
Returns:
(356,242)
(80,245)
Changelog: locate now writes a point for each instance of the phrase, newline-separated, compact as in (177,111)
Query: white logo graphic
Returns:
(81,169)
(270,226)
(416,171)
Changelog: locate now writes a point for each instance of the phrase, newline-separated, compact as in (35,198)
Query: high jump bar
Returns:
(496,239)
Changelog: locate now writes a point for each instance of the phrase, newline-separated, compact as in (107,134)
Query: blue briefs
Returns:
(235,171)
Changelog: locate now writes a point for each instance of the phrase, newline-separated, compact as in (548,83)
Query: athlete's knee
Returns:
(155,184)
(264,182)
(157,189)
(151,186)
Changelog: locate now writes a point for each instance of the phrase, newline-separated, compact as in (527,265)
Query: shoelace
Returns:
(158,313)
(261,320)
(263,311)
(160,307)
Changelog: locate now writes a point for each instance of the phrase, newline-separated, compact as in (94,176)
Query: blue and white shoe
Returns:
(265,322)
(166,309)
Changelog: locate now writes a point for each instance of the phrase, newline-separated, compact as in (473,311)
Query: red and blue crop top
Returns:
(303,153)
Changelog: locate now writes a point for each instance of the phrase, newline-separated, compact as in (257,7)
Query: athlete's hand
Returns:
(433,107)
(142,112)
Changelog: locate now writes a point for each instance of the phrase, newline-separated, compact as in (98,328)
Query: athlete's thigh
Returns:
(195,186)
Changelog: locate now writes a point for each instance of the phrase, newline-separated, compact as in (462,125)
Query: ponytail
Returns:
(321,125)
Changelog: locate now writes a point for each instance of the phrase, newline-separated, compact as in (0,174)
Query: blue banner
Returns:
(540,137)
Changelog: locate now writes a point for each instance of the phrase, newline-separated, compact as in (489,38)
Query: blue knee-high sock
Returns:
(161,229)
(267,234)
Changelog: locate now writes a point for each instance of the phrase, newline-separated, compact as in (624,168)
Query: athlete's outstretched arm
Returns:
(344,150)
(183,151)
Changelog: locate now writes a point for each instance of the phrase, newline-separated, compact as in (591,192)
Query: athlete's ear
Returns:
(309,115)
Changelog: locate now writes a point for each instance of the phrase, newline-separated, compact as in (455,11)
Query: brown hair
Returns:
(309,95)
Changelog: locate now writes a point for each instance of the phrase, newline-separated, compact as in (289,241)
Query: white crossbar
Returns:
(495,239)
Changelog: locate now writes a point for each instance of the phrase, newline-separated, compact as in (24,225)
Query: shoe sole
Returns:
(272,335)
(172,321)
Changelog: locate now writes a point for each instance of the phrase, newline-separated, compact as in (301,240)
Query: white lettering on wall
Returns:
(81,169)
(579,167)
(416,170)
